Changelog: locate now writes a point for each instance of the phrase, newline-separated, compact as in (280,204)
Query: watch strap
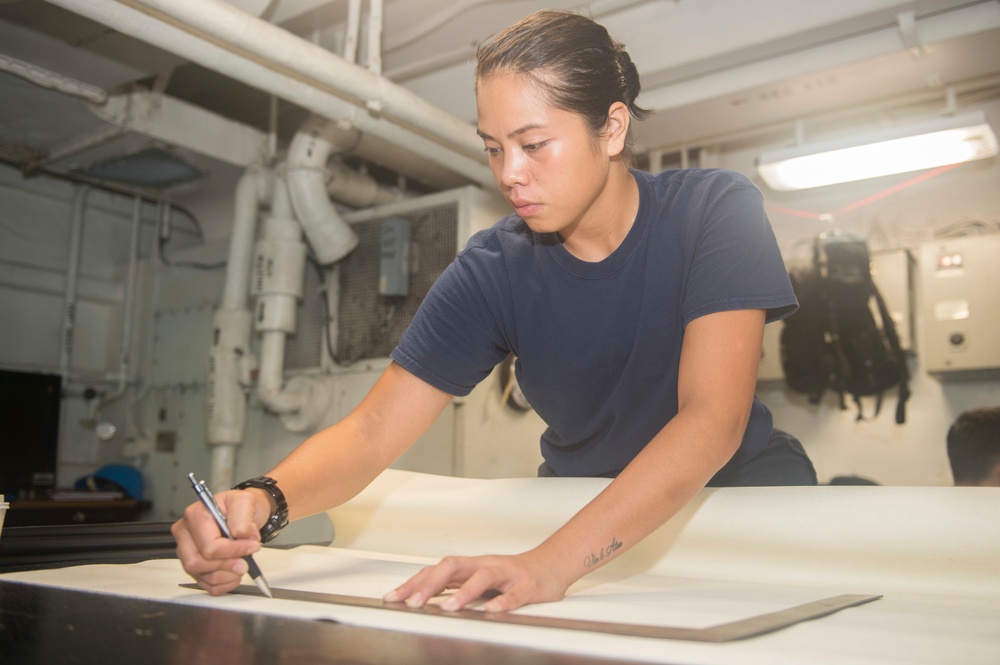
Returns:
(278,519)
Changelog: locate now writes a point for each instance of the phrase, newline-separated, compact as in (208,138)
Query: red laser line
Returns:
(923,177)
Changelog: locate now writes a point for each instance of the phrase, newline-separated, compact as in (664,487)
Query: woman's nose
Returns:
(512,171)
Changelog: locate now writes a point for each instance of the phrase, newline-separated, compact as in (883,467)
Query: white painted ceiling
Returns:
(714,70)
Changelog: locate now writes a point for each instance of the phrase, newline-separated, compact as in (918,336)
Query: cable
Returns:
(167,261)
(163,236)
(323,288)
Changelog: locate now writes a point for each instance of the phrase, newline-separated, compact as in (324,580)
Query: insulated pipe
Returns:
(52,80)
(375,36)
(255,38)
(330,238)
(72,276)
(229,354)
(280,262)
(223,470)
(249,192)
(353,30)
(280,267)
(441,139)
(358,190)
(271,388)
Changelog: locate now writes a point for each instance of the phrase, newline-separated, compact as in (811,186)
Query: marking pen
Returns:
(207,498)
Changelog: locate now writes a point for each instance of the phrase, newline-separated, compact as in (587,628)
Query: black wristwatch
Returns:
(279,517)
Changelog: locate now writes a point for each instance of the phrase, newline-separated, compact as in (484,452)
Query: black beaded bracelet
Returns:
(279,518)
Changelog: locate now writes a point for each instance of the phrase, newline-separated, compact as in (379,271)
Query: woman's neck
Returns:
(608,220)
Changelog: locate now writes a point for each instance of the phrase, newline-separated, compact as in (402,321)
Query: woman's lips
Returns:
(524,208)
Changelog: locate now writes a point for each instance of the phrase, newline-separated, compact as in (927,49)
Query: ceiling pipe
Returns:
(271,59)
(279,49)
(353,31)
(359,190)
(52,80)
(375,36)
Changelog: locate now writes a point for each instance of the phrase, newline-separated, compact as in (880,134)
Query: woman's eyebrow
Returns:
(520,130)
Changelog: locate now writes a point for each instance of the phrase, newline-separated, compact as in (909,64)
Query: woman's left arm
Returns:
(718,373)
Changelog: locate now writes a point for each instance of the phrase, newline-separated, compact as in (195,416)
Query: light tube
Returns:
(947,140)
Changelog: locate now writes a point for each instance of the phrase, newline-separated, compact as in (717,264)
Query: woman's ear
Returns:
(616,129)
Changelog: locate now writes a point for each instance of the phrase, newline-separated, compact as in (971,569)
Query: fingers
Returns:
(426,584)
(217,576)
(214,561)
(517,583)
(239,509)
(483,580)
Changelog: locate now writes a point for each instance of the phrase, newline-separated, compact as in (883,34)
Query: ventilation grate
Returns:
(369,325)
(304,349)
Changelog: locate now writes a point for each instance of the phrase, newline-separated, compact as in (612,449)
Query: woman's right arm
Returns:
(324,471)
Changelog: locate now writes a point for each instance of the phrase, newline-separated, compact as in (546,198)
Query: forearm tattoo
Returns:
(596,558)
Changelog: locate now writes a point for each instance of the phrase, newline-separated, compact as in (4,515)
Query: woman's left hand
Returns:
(520,580)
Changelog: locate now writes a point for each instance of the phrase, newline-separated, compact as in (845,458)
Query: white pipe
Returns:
(223,470)
(229,353)
(272,129)
(359,190)
(127,309)
(330,238)
(302,400)
(375,36)
(72,275)
(249,191)
(439,138)
(52,80)
(281,224)
(271,386)
(353,28)
(285,52)
(133,267)
(276,307)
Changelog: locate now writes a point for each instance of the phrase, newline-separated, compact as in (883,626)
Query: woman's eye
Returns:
(532,147)
(491,151)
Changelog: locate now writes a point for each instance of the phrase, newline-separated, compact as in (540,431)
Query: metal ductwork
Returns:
(227,40)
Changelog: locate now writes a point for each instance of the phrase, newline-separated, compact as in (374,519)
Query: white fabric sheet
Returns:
(730,555)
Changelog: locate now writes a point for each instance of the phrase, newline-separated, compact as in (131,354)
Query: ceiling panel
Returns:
(716,68)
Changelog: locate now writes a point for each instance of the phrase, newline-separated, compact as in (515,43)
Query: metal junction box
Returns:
(960,303)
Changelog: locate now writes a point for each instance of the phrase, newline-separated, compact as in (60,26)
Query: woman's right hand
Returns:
(215,562)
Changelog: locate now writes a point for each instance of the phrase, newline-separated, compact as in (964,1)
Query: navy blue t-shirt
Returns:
(598,344)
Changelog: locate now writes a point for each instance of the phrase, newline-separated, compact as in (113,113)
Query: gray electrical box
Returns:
(394,259)
(960,300)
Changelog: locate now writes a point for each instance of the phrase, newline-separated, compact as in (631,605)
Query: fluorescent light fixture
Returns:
(946,140)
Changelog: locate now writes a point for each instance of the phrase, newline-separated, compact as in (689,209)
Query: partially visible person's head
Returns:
(574,62)
(974,447)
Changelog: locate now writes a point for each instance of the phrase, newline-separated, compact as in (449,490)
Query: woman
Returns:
(634,303)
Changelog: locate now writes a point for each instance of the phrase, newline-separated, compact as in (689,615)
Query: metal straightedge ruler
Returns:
(723,632)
